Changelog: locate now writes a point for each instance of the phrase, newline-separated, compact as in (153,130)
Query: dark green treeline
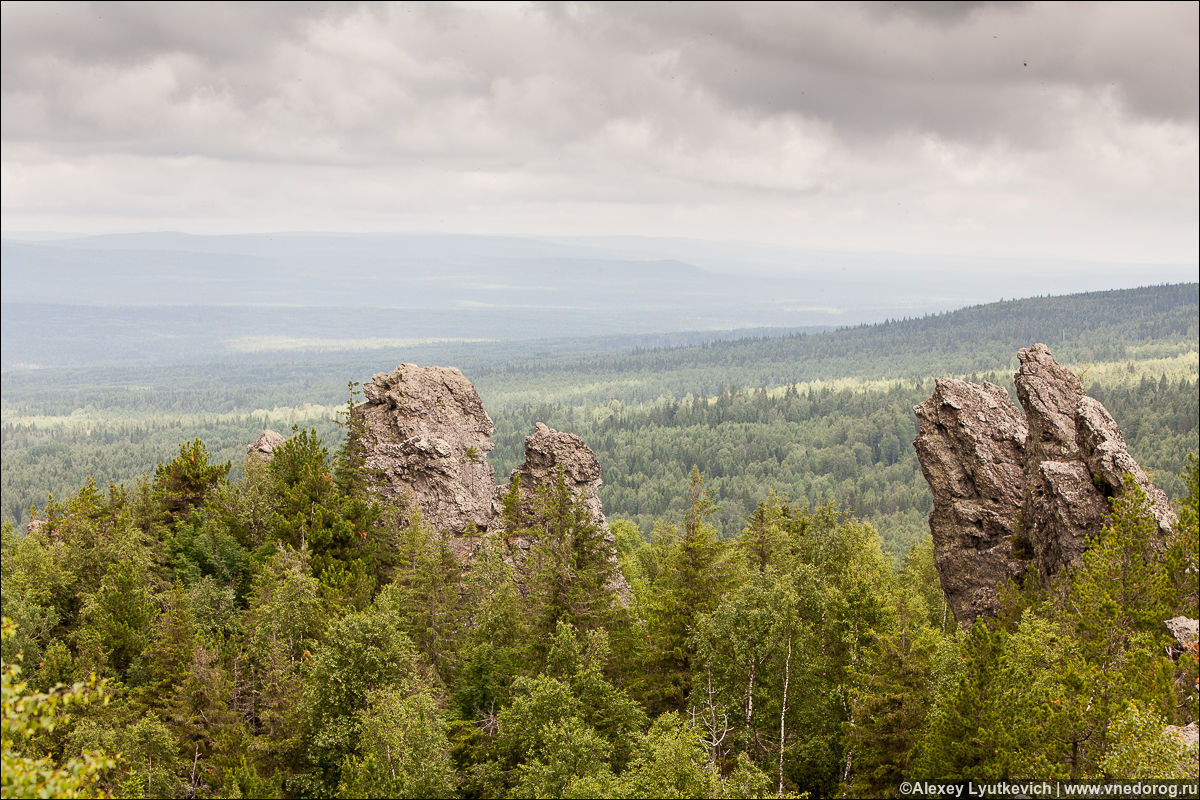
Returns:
(280,635)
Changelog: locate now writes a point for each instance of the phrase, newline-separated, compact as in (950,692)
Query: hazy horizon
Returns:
(1064,132)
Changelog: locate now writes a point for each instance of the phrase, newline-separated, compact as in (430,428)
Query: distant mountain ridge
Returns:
(78,272)
(608,283)
(1091,325)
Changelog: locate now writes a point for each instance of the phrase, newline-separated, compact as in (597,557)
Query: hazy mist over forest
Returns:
(92,299)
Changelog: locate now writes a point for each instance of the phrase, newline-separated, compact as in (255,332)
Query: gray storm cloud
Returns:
(953,118)
(953,69)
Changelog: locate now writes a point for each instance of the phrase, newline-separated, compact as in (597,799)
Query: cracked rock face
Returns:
(1013,490)
(1049,393)
(427,436)
(547,451)
(971,448)
(1102,446)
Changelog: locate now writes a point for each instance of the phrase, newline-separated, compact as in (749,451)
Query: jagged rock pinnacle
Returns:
(546,452)
(426,434)
(1013,490)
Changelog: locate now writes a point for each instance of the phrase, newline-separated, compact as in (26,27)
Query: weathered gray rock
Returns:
(1188,736)
(263,448)
(426,435)
(1012,491)
(1049,393)
(1062,509)
(547,452)
(1102,447)
(1185,630)
(971,450)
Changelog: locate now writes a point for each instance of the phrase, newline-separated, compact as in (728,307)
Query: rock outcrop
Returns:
(971,448)
(546,452)
(264,446)
(1102,446)
(1189,737)
(425,433)
(1013,490)
(1185,631)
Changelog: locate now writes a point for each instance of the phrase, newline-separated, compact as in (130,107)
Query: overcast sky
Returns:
(1042,129)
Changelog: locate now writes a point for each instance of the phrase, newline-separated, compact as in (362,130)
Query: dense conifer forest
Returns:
(813,416)
(280,635)
(208,626)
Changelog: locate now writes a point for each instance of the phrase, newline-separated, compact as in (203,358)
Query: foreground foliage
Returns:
(279,635)
(29,715)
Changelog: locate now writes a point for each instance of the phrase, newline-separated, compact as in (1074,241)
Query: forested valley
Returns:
(812,416)
(187,622)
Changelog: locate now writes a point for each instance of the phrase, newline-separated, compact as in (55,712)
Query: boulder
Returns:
(1189,737)
(263,448)
(1185,630)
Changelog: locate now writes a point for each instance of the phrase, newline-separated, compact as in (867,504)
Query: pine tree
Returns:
(957,743)
(570,566)
(425,593)
(693,573)
(891,699)
(495,647)
(185,483)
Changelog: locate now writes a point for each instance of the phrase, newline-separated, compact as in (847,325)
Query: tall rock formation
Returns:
(1013,490)
(426,435)
(971,448)
(546,452)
